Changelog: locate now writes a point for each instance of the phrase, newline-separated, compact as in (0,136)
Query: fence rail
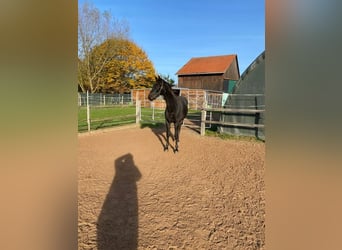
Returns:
(204,120)
(196,99)
(152,112)
(229,110)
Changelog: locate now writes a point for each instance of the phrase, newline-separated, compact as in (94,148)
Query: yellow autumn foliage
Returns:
(127,67)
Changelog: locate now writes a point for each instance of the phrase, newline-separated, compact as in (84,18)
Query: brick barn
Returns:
(219,73)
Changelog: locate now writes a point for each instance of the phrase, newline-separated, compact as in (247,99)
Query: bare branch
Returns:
(94,28)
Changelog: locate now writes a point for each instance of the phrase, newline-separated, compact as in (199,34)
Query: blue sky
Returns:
(173,31)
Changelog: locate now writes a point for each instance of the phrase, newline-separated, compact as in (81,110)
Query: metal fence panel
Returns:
(248,94)
(99,99)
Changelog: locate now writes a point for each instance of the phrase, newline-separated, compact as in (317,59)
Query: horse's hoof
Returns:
(176,150)
(166,149)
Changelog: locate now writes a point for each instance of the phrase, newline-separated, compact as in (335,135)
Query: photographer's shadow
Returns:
(117,225)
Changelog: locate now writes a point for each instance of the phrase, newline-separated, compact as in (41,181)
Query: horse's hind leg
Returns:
(167,125)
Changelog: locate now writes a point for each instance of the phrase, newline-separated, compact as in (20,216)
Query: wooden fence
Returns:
(208,115)
(196,98)
(231,111)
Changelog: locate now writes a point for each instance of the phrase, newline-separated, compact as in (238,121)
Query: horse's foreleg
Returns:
(167,125)
(177,132)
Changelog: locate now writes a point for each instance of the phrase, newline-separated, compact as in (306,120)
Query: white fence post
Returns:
(188,100)
(144,97)
(152,104)
(203,118)
(196,99)
(88,111)
(137,111)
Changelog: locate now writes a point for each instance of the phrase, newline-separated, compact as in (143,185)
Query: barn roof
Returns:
(207,65)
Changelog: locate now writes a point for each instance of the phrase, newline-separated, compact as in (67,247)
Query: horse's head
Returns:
(158,88)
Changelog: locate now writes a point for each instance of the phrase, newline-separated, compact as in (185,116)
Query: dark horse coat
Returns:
(176,108)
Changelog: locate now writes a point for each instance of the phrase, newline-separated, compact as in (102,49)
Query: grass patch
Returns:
(224,136)
(101,113)
(111,116)
(105,117)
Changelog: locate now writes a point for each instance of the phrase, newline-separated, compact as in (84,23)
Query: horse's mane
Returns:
(168,85)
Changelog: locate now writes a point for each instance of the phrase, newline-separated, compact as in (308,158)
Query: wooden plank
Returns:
(116,118)
(244,111)
(237,124)
(252,95)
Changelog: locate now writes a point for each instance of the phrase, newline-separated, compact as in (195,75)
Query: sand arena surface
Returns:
(133,195)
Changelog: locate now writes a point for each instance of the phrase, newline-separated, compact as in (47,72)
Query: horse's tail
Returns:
(185,105)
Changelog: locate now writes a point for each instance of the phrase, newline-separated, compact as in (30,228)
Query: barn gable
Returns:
(210,73)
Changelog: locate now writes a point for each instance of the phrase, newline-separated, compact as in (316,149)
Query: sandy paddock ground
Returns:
(133,195)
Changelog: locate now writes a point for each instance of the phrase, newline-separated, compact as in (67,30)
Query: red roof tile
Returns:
(207,65)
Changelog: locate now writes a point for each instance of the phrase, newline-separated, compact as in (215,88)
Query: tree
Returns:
(169,79)
(128,67)
(94,28)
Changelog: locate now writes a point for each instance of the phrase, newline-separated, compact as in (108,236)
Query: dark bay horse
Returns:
(176,108)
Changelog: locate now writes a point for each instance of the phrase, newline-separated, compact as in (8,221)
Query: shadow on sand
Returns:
(117,225)
(160,132)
